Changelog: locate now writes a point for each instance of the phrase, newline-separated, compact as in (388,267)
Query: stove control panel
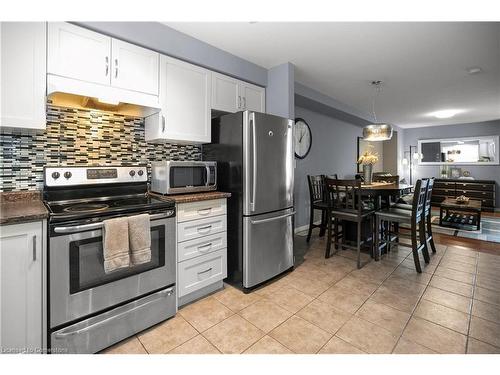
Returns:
(74,176)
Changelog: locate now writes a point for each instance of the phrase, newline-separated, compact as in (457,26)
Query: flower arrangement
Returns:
(368,158)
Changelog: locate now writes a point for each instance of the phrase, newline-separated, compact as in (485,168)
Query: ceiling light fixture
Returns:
(377,131)
(445,113)
(108,101)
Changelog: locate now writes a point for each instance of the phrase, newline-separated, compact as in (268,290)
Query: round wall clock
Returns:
(302,138)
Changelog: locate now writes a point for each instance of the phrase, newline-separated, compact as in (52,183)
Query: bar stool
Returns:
(427,212)
(345,204)
(414,217)
(318,202)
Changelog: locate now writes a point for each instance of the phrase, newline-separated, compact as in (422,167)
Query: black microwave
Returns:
(177,177)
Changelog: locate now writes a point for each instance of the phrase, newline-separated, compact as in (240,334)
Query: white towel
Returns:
(139,234)
(115,244)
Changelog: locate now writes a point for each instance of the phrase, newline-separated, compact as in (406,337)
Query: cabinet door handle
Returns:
(239,102)
(162,124)
(34,248)
(107,65)
(116,68)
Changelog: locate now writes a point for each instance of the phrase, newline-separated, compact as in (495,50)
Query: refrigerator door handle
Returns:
(254,161)
(272,218)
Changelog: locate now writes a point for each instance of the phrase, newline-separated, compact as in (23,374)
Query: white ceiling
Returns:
(422,65)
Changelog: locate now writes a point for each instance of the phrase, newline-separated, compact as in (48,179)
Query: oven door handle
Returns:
(80,228)
(62,335)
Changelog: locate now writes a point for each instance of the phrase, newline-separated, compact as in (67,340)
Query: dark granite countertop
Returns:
(194,197)
(21,207)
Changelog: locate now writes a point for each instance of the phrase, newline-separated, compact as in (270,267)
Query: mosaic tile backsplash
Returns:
(80,137)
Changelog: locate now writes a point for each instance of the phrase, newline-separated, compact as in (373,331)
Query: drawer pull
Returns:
(207,270)
(205,229)
(206,246)
(205,211)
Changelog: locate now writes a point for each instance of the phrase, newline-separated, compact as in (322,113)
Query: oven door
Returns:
(78,284)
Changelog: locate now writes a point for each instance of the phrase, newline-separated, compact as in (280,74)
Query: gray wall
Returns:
(280,90)
(164,39)
(483,172)
(333,150)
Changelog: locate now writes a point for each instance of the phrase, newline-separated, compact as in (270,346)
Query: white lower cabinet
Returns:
(21,287)
(202,271)
(201,248)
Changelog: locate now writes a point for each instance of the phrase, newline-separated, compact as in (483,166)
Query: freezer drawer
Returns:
(99,332)
(267,246)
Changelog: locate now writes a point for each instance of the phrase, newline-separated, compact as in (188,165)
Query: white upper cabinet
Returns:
(78,53)
(21,286)
(232,95)
(253,97)
(185,102)
(23,74)
(225,93)
(84,55)
(134,68)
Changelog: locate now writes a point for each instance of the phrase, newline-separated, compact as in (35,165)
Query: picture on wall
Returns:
(455,172)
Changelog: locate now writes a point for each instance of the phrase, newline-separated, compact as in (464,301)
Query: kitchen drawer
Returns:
(444,185)
(487,203)
(200,246)
(200,210)
(201,271)
(98,332)
(475,186)
(190,230)
(442,191)
(476,194)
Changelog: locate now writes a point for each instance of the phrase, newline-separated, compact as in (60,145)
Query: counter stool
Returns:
(318,202)
(427,213)
(345,204)
(414,217)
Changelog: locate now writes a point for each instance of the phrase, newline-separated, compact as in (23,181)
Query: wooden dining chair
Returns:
(317,201)
(345,204)
(427,212)
(414,218)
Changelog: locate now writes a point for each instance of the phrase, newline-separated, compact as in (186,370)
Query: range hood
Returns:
(68,92)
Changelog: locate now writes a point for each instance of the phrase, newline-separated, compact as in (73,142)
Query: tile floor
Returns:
(329,306)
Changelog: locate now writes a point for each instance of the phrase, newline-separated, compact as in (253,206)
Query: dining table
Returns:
(379,190)
(381,194)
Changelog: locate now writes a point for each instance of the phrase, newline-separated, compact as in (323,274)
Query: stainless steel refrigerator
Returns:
(255,163)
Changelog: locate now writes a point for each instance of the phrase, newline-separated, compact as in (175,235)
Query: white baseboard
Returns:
(304,227)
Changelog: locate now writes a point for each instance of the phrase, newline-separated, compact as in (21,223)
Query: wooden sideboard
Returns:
(483,190)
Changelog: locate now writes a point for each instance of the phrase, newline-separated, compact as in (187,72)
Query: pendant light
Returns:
(377,131)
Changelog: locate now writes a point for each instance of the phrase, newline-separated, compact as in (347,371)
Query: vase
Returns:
(367,173)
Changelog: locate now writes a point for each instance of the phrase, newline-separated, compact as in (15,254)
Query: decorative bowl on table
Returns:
(462,199)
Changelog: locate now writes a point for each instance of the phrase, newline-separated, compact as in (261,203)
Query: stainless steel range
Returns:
(90,309)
